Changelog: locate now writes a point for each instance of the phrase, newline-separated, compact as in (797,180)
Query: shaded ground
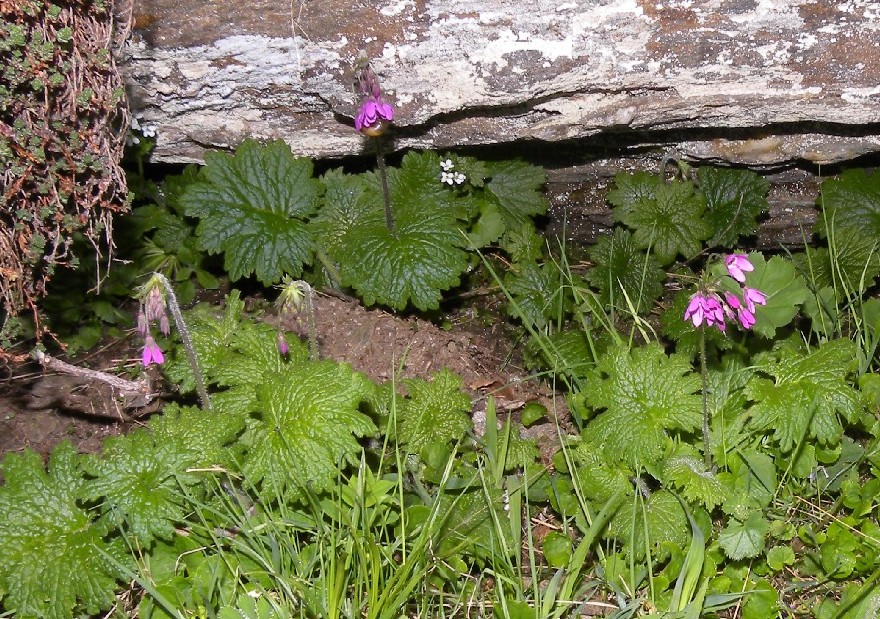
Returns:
(38,410)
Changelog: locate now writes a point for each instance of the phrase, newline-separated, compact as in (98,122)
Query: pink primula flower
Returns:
(745,317)
(738,265)
(705,308)
(753,297)
(373,114)
(152,353)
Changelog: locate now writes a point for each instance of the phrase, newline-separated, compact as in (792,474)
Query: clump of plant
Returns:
(62,131)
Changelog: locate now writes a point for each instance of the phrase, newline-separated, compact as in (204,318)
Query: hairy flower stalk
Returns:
(159,296)
(373,119)
(711,306)
(297,297)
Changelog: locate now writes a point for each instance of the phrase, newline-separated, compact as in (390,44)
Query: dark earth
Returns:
(40,408)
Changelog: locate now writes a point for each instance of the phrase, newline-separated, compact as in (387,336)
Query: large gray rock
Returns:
(788,80)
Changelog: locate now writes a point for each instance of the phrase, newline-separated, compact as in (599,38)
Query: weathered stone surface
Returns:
(788,80)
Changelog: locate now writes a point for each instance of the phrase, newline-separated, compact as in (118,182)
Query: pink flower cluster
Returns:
(374,114)
(714,309)
(152,310)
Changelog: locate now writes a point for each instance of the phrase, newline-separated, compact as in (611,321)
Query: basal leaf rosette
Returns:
(253,208)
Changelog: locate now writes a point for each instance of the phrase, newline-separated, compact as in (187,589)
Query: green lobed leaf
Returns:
(537,293)
(852,200)
(686,470)
(424,254)
(784,288)
(651,524)
(435,411)
(744,540)
(646,396)
(670,222)
(599,478)
(53,558)
(853,261)
(253,208)
(734,201)
(751,482)
(523,244)
(139,482)
(345,204)
(208,433)
(807,396)
(623,273)
(307,423)
(517,186)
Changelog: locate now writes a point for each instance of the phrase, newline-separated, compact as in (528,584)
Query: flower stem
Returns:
(704,373)
(383,175)
(174,307)
(310,313)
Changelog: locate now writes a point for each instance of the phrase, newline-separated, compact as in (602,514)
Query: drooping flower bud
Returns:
(374,115)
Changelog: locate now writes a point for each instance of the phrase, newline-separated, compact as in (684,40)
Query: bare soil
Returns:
(38,409)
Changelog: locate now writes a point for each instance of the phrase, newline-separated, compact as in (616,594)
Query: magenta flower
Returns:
(745,317)
(152,353)
(738,265)
(705,308)
(373,116)
(753,297)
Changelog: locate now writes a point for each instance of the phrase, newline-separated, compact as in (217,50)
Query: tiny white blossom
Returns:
(459,178)
(446,177)
(149,131)
(447,165)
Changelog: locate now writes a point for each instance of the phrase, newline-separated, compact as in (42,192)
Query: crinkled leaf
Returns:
(851,200)
(306,428)
(468,526)
(785,290)
(253,208)
(523,244)
(667,218)
(345,204)
(686,470)
(624,274)
(52,556)
(630,189)
(537,293)
(750,481)
(744,540)
(138,482)
(421,258)
(599,478)
(209,433)
(412,265)
(854,262)
(489,226)
(734,200)
(661,518)
(517,186)
(808,394)
(644,396)
(435,411)
(566,352)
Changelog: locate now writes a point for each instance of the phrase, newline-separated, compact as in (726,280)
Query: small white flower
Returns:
(447,165)
(459,178)
(446,177)
(149,131)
